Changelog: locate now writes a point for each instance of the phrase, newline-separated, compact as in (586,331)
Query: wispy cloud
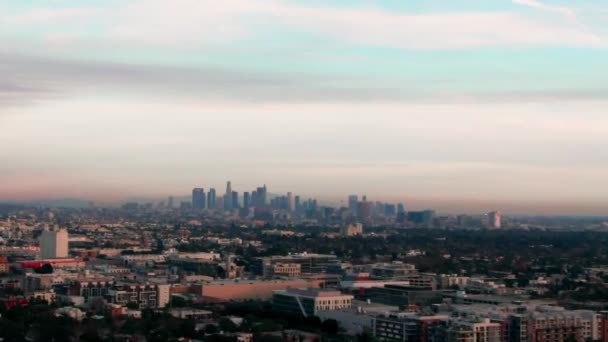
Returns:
(28,80)
(356,25)
(194,23)
(40,16)
(567,11)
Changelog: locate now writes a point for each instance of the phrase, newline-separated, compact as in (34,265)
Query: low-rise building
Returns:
(142,295)
(236,290)
(189,313)
(4,265)
(308,302)
(406,326)
(353,229)
(284,270)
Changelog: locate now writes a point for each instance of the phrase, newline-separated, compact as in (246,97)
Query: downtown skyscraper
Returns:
(211,198)
(198,199)
(228,197)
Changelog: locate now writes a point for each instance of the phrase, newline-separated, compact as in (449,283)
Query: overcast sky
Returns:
(466,105)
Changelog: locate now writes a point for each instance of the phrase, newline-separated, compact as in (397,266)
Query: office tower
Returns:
(494,219)
(364,210)
(464,220)
(219,203)
(254,198)
(390,210)
(424,217)
(54,244)
(211,198)
(352,204)
(228,197)
(378,208)
(264,195)
(261,196)
(234,199)
(400,208)
(170,202)
(290,202)
(246,200)
(279,203)
(198,198)
(297,205)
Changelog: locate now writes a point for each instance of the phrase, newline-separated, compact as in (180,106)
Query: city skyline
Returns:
(443,206)
(469,106)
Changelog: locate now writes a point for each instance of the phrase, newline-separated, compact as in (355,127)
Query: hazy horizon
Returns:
(466,106)
(456,205)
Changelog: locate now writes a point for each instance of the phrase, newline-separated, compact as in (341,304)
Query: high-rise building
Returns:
(290,202)
(211,198)
(198,198)
(170,202)
(254,198)
(228,197)
(390,210)
(297,205)
(400,208)
(219,203)
(494,219)
(364,210)
(246,200)
(54,244)
(261,196)
(352,204)
(234,199)
(424,217)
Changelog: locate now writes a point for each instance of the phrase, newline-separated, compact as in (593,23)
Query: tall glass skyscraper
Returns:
(198,198)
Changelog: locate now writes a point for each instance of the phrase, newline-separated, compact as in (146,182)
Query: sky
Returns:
(462,105)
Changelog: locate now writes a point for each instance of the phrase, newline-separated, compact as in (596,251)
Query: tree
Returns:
(365,337)
(330,326)
(159,335)
(178,302)
(266,338)
(267,325)
(11,331)
(132,306)
(210,329)
(90,336)
(187,328)
(220,338)
(54,329)
(227,325)
(45,269)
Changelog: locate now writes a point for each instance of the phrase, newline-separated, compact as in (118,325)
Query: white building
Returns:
(352,229)
(494,219)
(308,302)
(54,244)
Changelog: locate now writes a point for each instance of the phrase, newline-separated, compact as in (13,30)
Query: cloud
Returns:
(28,80)
(41,16)
(566,11)
(194,23)
(430,31)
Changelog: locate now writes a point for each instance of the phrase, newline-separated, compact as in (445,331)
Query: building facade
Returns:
(308,302)
(54,244)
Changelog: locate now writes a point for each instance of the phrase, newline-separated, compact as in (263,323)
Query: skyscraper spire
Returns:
(228,197)
(228,188)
